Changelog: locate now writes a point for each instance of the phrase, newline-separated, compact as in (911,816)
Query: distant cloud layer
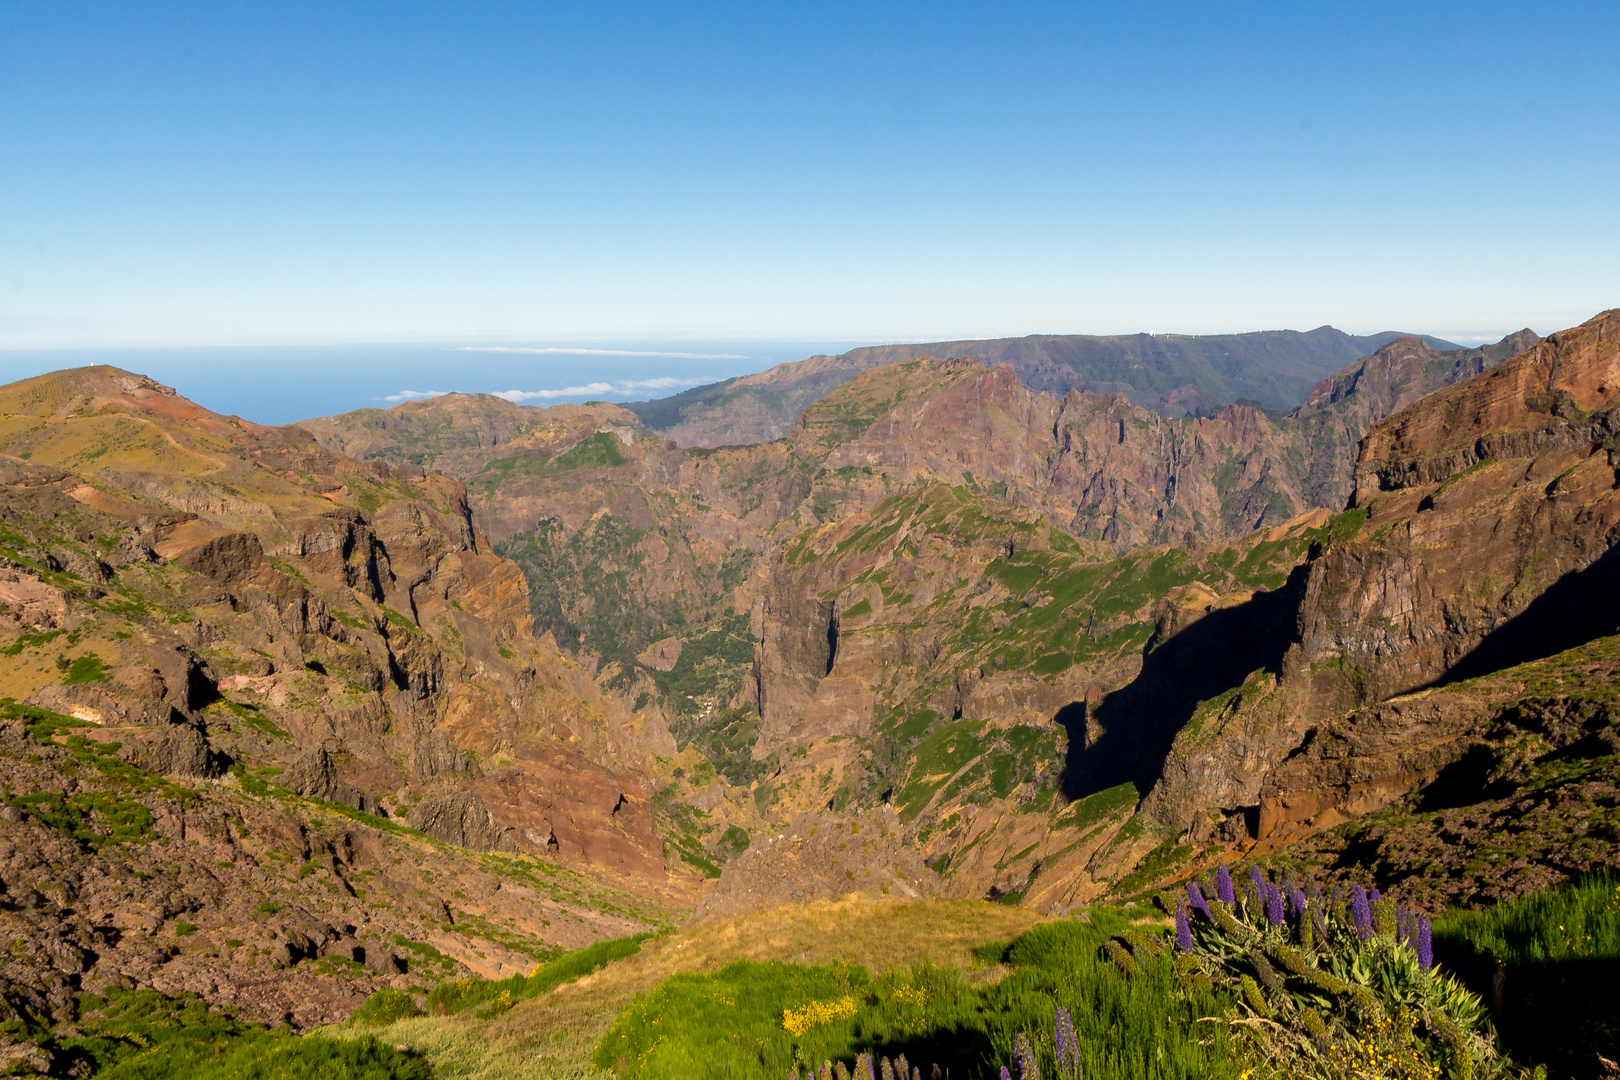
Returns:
(622,387)
(599,352)
(619,388)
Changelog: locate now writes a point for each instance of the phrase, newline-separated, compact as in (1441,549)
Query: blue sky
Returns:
(474,174)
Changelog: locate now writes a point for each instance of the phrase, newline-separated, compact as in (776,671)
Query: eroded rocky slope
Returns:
(1479,543)
(237,668)
(983,605)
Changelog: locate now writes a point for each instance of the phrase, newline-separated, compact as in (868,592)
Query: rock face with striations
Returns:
(1489,514)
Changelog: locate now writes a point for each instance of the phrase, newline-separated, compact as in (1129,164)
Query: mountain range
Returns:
(1172,374)
(401,694)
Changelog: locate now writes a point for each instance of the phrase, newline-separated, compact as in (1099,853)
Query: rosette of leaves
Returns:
(1331,986)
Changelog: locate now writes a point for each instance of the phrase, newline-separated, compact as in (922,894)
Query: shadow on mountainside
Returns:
(1580,606)
(1140,720)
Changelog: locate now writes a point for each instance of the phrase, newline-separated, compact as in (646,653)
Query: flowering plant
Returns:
(1331,985)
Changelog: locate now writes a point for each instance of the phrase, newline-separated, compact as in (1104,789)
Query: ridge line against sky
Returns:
(876,172)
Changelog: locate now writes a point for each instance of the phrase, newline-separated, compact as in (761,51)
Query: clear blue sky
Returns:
(326,173)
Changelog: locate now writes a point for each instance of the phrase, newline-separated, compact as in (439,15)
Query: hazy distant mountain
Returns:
(1172,374)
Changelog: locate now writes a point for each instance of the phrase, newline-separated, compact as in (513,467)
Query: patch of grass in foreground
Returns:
(144,1035)
(552,1037)
(1547,965)
(763,1019)
(498,995)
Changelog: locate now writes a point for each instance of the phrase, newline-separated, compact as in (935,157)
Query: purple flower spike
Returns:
(1195,897)
(1297,901)
(1005,1075)
(1361,913)
(1425,942)
(1184,938)
(1274,905)
(1223,884)
(1024,1056)
(863,1068)
(1258,877)
(1065,1044)
(1376,895)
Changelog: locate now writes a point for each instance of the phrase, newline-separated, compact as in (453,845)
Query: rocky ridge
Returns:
(884,552)
(1171,374)
(220,632)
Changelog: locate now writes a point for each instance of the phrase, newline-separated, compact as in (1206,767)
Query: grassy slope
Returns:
(554,1035)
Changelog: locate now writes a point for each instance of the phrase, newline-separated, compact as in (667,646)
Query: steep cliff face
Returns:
(1485,518)
(1329,424)
(933,544)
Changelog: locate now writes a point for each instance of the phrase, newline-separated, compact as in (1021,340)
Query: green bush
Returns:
(1548,966)
(498,995)
(386,1006)
(145,1035)
(271,1056)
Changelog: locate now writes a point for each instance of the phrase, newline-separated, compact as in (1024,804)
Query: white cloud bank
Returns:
(618,388)
(622,388)
(599,352)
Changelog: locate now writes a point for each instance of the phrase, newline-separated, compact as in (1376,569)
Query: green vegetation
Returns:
(386,1007)
(584,588)
(88,668)
(600,450)
(764,1019)
(1549,965)
(1330,986)
(143,1035)
(497,996)
(30,641)
(110,814)
(712,663)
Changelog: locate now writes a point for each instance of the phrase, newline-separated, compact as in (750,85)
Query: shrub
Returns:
(145,1035)
(498,995)
(1331,985)
(386,1006)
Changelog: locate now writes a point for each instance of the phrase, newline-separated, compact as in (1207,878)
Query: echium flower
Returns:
(1024,1058)
(1424,943)
(1274,905)
(1195,897)
(1066,1045)
(1361,913)
(885,1068)
(1403,924)
(1005,1075)
(1223,884)
(863,1068)
(902,1067)
(1184,938)
(1297,901)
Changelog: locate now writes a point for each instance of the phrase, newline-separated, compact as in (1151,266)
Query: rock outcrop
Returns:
(823,856)
(1486,519)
